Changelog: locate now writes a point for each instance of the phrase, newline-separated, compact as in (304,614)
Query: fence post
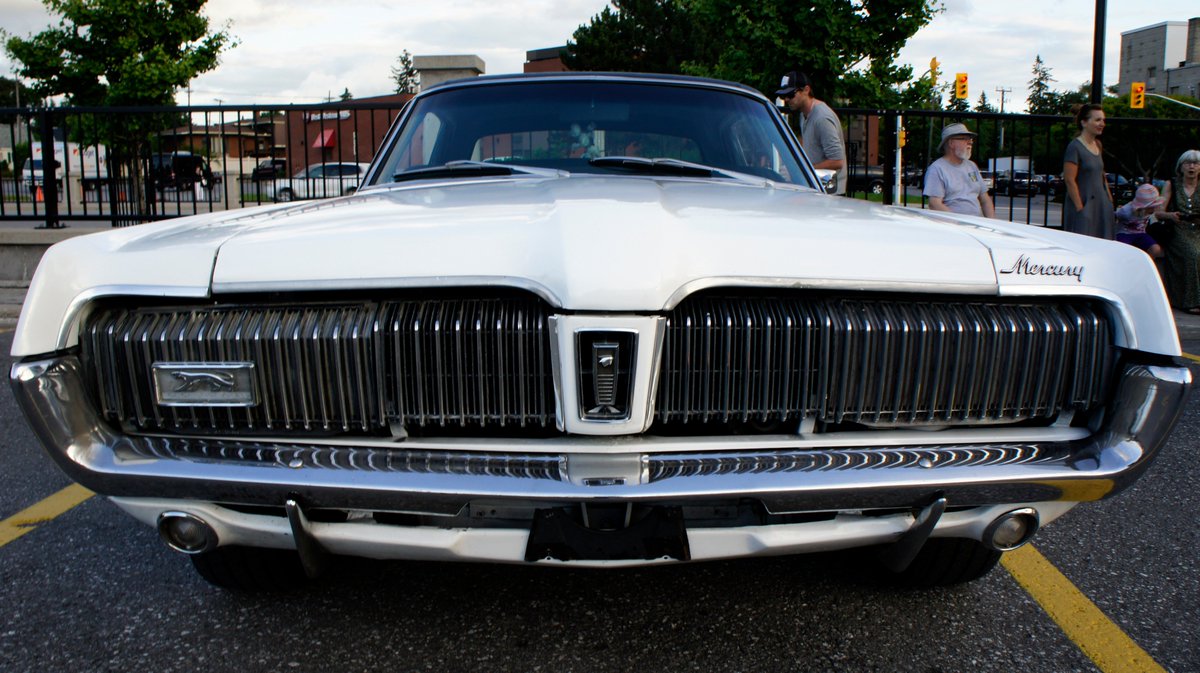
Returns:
(49,172)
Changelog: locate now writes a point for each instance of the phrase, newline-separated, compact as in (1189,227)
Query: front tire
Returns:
(944,561)
(285,195)
(251,569)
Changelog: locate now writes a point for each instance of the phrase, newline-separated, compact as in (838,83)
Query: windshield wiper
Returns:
(672,167)
(471,169)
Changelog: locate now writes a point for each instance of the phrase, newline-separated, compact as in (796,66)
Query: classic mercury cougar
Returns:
(595,320)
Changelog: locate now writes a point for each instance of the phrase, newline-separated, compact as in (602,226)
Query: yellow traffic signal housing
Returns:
(933,71)
(1137,95)
(960,85)
(903,138)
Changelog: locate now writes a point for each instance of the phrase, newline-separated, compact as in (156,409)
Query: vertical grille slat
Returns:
(357,367)
(762,359)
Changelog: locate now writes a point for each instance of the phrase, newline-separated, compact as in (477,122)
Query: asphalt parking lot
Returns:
(1112,586)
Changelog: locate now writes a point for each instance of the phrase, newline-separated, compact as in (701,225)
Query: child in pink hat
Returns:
(1135,215)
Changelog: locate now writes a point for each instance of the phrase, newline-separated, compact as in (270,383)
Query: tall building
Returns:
(1166,56)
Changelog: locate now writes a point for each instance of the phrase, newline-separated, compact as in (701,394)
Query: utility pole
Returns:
(1098,53)
(1002,91)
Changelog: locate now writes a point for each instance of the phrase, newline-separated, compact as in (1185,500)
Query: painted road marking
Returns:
(29,518)
(1193,358)
(1085,624)
(1092,632)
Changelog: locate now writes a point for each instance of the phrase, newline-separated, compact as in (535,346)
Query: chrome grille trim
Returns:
(880,362)
(670,466)
(339,457)
(355,367)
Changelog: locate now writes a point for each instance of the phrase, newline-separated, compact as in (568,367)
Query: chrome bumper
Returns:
(786,474)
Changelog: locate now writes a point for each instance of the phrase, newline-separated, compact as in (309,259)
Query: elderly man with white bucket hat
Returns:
(953,182)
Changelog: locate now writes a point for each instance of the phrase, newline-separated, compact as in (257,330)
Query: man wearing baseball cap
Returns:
(953,182)
(820,128)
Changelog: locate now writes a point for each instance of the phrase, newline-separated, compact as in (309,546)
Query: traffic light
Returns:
(933,71)
(903,137)
(1137,95)
(960,85)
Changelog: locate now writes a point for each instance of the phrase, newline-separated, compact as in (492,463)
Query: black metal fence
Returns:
(122,166)
(1021,154)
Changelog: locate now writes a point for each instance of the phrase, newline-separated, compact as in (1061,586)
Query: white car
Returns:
(595,320)
(320,181)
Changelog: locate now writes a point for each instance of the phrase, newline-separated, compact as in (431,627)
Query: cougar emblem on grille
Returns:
(212,381)
(204,384)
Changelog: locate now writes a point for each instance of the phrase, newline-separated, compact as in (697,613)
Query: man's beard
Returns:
(963,154)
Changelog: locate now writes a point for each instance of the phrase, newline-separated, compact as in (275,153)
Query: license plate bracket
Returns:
(653,533)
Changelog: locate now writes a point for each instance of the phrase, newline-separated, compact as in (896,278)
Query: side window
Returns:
(316,172)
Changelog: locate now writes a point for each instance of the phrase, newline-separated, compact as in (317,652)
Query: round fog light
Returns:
(1011,529)
(186,533)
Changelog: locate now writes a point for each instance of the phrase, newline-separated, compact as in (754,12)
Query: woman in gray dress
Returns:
(1089,206)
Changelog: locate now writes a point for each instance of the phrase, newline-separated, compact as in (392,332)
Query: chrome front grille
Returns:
(357,367)
(879,362)
(729,363)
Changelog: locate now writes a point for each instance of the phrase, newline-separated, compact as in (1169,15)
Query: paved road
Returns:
(91,590)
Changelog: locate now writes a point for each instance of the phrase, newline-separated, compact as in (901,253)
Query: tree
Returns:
(345,95)
(983,105)
(406,77)
(1041,100)
(120,52)
(958,105)
(635,36)
(847,48)
(13,93)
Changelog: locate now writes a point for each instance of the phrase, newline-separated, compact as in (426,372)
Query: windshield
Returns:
(566,125)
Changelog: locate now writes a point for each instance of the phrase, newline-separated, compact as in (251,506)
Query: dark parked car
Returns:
(1121,187)
(269,169)
(1016,183)
(181,170)
(867,179)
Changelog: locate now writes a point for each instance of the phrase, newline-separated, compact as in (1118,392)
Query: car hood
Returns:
(594,243)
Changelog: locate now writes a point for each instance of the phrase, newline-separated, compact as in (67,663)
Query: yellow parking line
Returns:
(1092,632)
(1194,358)
(27,519)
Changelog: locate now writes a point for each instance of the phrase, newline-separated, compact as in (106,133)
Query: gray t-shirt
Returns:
(821,134)
(958,186)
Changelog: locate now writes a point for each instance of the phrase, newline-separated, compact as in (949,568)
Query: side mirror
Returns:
(829,179)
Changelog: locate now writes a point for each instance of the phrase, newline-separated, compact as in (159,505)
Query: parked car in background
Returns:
(868,179)
(1052,185)
(1121,187)
(596,320)
(181,171)
(1016,183)
(32,175)
(269,169)
(914,176)
(989,178)
(319,181)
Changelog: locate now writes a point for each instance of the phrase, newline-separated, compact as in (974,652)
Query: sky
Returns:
(303,51)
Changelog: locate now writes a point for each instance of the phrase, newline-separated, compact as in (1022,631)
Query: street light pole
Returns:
(1098,53)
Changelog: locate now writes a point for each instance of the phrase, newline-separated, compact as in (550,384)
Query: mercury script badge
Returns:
(1027,267)
(204,384)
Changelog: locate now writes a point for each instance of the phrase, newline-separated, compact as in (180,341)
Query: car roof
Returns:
(628,77)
